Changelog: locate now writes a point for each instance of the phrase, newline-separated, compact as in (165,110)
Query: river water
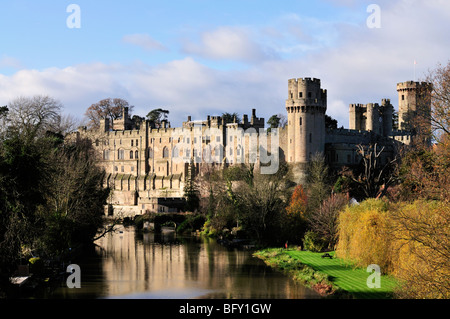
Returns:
(128,265)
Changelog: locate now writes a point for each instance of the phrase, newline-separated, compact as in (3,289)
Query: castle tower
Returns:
(356,114)
(306,106)
(412,97)
(387,111)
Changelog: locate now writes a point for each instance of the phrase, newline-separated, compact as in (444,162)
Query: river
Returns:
(128,265)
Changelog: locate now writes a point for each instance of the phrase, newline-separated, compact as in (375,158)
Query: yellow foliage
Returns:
(363,234)
(408,240)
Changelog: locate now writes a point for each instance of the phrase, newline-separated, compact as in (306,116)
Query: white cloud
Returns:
(364,66)
(10,62)
(144,41)
(228,43)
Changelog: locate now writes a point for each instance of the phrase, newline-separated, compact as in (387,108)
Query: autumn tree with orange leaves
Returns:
(296,220)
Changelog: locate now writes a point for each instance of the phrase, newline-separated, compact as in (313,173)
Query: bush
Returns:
(313,242)
(409,240)
(363,234)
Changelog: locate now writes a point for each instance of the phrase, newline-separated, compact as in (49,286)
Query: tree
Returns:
(324,221)
(231,117)
(262,204)
(373,178)
(74,199)
(317,181)
(330,123)
(191,193)
(33,116)
(440,100)
(157,116)
(275,121)
(296,215)
(106,108)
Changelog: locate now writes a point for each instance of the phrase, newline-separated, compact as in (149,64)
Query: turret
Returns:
(412,96)
(306,106)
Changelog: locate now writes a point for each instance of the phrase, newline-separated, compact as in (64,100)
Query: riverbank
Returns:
(330,277)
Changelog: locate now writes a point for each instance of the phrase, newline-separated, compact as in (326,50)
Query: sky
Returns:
(199,57)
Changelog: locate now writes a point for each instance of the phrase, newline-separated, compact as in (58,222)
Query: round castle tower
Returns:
(412,95)
(306,106)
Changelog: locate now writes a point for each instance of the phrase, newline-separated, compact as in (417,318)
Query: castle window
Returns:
(300,94)
(165,152)
(403,97)
(175,152)
(301,120)
(122,169)
(116,168)
(132,168)
(160,140)
(131,154)
(132,143)
(106,155)
(136,155)
(121,154)
(137,142)
(292,95)
(150,153)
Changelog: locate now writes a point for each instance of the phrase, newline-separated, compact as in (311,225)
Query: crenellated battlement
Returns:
(411,85)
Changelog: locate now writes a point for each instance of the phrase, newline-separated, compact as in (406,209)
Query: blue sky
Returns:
(207,57)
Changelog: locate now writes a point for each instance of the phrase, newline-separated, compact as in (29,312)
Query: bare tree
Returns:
(110,108)
(324,222)
(440,100)
(374,177)
(32,116)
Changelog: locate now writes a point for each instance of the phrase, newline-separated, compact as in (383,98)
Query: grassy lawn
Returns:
(336,272)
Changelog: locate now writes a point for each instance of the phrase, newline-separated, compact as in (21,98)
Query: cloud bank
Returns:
(356,65)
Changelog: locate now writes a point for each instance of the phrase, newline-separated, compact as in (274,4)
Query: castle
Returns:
(146,165)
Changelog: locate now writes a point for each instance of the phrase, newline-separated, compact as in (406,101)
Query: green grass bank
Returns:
(333,278)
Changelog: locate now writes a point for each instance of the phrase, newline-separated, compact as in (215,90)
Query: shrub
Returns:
(364,236)
(313,242)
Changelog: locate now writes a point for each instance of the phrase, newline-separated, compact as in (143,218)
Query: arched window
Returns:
(131,154)
(121,154)
(175,152)
(165,152)
(150,153)
(136,154)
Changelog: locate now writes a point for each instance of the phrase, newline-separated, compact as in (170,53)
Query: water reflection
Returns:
(129,265)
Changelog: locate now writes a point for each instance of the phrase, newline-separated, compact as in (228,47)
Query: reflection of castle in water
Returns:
(160,265)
